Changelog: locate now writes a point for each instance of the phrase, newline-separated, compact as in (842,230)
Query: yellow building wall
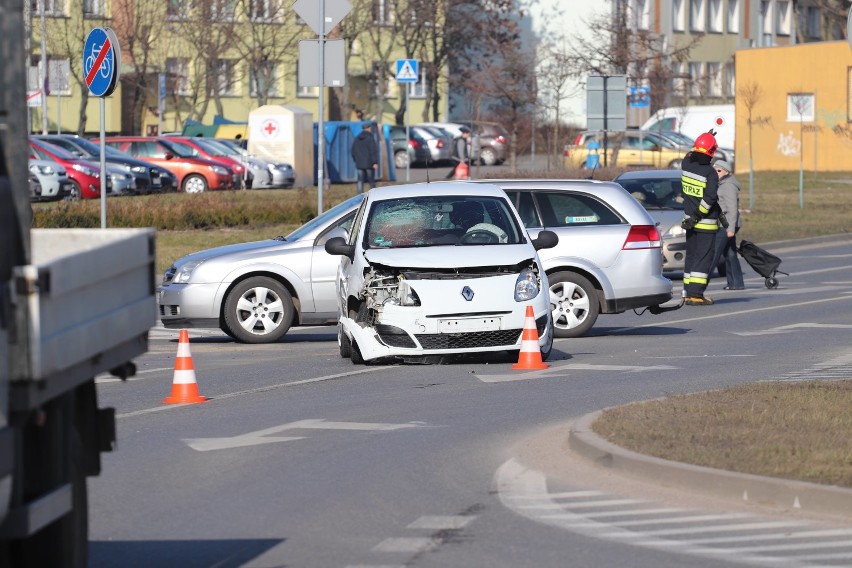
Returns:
(823,144)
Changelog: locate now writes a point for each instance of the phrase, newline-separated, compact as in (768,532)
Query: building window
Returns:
(308,92)
(643,14)
(812,25)
(766,16)
(697,16)
(714,79)
(225,77)
(177,75)
(679,85)
(678,15)
(263,10)
(93,8)
(714,23)
(223,10)
(383,12)
(800,107)
(265,78)
(783,15)
(177,9)
(730,84)
(733,17)
(51,7)
(420,89)
(696,79)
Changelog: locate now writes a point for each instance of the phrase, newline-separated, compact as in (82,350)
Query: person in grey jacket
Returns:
(726,242)
(365,153)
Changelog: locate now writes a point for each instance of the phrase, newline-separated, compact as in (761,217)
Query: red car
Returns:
(195,174)
(202,148)
(85,176)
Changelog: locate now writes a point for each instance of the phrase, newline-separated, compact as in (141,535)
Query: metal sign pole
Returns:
(320,122)
(103,162)
(407,135)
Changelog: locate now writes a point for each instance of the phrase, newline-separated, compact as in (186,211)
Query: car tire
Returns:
(675,164)
(194,183)
(401,159)
(344,343)
(574,304)
(250,299)
(355,355)
(488,156)
(76,193)
(547,349)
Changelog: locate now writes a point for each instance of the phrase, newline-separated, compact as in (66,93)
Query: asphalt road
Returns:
(300,458)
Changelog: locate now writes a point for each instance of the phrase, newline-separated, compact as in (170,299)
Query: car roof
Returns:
(436,188)
(650,174)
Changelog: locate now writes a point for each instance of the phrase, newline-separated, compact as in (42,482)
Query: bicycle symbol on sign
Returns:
(90,62)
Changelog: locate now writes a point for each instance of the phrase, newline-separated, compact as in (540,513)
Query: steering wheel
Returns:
(480,237)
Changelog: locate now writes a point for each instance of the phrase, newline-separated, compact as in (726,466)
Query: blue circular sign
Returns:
(101,58)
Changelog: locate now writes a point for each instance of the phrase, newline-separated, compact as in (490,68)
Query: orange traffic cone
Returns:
(462,171)
(184,387)
(530,356)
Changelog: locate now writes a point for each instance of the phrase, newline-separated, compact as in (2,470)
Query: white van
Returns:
(693,120)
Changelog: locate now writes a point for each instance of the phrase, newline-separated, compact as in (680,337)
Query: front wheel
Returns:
(401,159)
(488,157)
(344,343)
(76,192)
(574,304)
(195,184)
(258,310)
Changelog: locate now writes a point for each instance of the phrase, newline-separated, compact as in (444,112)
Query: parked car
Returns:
(279,175)
(146,177)
(85,176)
(52,178)
(438,269)
(414,151)
(200,148)
(195,175)
(439,142)
(686,143)
(636,148)
(255,291)
(608,259)
(35,187)
(491,141)
(659,192)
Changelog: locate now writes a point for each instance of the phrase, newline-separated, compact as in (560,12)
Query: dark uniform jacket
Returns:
(364,151)
(700,186)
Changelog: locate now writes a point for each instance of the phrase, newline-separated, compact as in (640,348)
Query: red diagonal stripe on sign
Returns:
(97,66)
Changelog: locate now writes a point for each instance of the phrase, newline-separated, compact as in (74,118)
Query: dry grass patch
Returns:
(800,430)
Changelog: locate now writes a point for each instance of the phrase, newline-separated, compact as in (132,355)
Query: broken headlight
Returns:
(527,286)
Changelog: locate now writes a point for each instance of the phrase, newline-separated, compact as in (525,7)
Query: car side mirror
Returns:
(545,240)
(169,156)
(339,246)
(336,232)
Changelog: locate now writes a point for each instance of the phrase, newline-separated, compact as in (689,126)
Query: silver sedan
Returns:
(255,291)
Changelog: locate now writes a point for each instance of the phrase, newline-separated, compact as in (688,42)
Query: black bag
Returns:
(764,263)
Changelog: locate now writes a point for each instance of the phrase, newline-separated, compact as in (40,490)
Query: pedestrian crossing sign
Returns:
(406,70)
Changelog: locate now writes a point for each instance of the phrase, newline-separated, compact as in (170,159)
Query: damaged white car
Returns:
(439,269)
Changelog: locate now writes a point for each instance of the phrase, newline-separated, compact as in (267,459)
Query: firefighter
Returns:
(700,184)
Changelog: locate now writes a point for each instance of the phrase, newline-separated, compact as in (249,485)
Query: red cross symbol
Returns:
(270,127)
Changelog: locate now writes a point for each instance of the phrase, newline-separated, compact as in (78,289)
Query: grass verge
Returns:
(788,430)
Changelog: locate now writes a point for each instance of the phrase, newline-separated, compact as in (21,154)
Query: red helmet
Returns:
(706,144)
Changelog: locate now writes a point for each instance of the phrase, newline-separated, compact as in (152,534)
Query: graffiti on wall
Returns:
(761,121)
(788,144)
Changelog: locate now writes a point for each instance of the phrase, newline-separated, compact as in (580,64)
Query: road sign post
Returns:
(101,60)
(321,22)
(606,105)
(407,72)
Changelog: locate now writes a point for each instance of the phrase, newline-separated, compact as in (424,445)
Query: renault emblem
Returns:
(467,293)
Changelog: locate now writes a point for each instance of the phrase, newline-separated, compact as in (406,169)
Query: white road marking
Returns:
(793,327)
(437,522)
(562,367)
(257,390)
(583,504)
(262,436)
(563,495)
(524,491)
(410,545)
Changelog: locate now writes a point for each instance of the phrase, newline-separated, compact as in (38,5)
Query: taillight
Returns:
(501,139)
(566,152)
(578,139)
(440,144)
(414,144)
(642,237)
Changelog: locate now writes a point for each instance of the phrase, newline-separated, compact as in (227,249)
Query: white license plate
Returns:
(467,325)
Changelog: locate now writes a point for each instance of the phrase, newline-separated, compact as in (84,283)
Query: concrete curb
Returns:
(774,492)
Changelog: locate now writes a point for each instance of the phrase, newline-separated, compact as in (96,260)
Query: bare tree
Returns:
(750,94)
(831,19)
(554,73)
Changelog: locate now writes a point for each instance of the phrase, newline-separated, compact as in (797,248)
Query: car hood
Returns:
(236,253)
(451,256)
